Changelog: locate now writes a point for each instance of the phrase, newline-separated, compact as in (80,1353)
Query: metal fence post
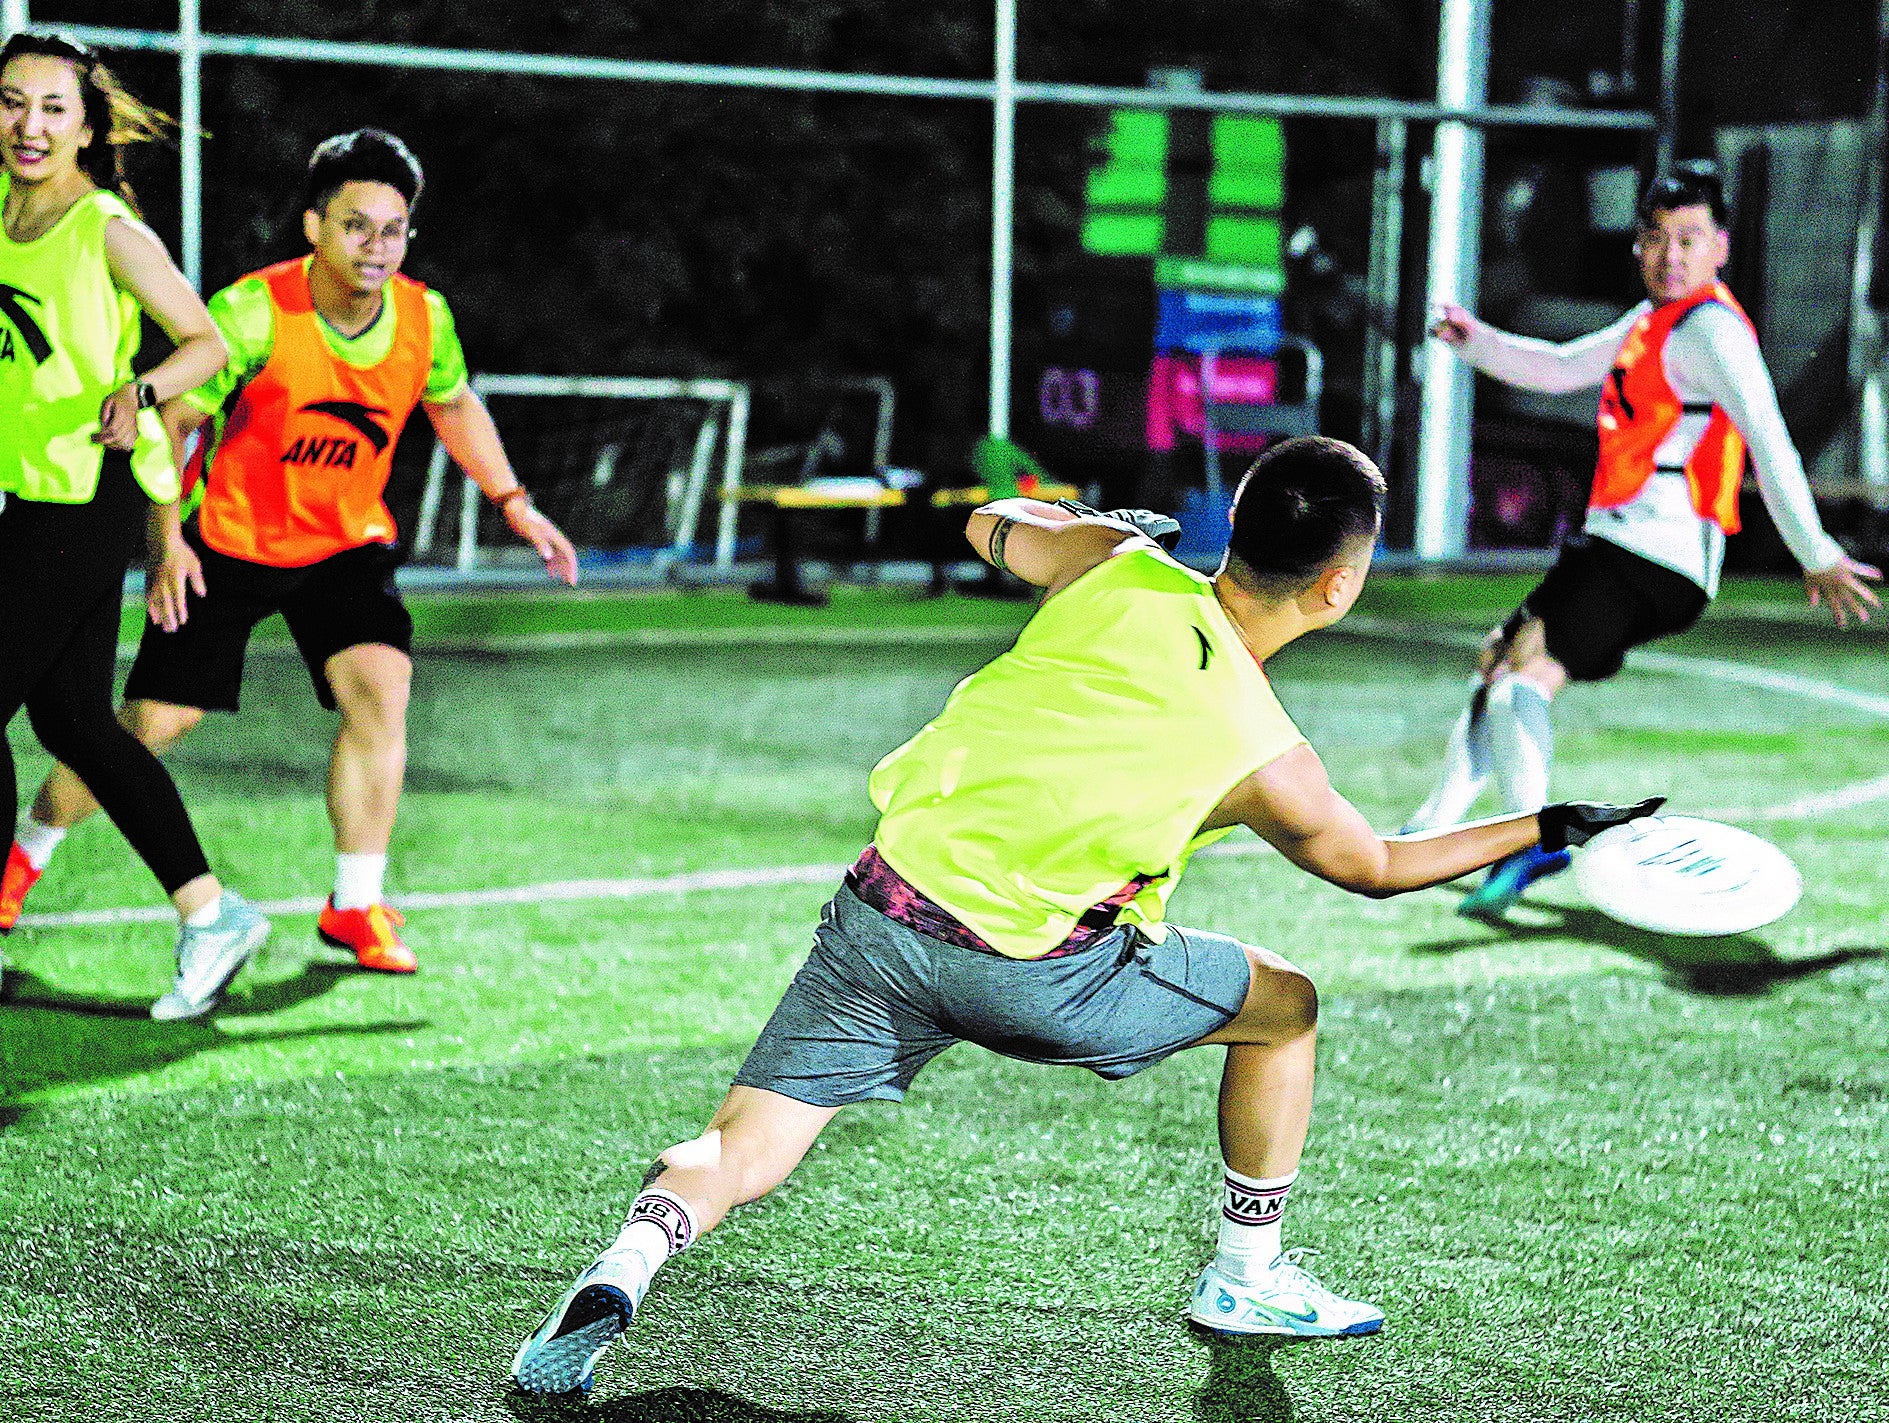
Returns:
(1462,81)
(1002,201)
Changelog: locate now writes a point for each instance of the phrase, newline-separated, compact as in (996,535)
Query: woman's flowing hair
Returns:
(116,117)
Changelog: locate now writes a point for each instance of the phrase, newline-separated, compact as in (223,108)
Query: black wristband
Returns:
(1000,536)
(145,393)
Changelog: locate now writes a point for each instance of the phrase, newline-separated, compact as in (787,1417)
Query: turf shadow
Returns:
(315,979)
(662,1405)
(1241,1386)
(66,1040)
(1722,966)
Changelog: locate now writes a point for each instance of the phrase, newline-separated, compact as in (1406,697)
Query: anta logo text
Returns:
(338,451)
(329,452)
(13,303)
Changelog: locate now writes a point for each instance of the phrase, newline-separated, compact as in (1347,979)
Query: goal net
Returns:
(623,464)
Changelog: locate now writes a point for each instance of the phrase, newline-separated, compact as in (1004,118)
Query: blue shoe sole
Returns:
(563,1364)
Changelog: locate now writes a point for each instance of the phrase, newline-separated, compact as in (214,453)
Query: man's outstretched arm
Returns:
(1716,354)
(1290,803)
(1553,367)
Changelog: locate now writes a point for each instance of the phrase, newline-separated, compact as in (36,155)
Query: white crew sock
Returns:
(36,841)
(1466,767)
(358,880)
(660,1226)
(1250,1214)
(205,915)
(1521,743)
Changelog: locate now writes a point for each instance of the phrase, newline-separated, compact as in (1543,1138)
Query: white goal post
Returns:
(727,426)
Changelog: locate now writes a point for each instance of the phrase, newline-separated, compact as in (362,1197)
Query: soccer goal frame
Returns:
(727,427)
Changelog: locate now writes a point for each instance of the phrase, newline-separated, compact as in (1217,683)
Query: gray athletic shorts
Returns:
(876,1001)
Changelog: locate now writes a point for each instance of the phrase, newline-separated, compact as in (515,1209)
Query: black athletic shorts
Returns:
(343,601)
(1599,601)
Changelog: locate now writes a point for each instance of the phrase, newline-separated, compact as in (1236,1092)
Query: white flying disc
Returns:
(1675,874)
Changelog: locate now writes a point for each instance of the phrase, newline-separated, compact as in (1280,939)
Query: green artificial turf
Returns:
(1588,1173)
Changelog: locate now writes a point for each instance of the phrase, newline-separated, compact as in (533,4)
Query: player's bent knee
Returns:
(1281,1003)
(371,683)
(703,1153)
(1298,1003)
(73,742)
(159,725)
(1544,673)
(1289,996)
(757,1139)
(372,701)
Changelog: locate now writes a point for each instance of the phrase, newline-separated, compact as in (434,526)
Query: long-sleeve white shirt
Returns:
(1711,357)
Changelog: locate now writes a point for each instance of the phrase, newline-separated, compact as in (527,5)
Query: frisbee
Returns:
(1676,874)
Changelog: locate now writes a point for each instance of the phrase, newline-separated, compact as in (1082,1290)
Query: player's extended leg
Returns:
(1521,744)
(752,1144)
(219,929)
(1465,771)
(1253,1286)
(63,802)
(371,684)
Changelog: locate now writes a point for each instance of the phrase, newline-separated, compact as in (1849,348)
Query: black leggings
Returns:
(62,574)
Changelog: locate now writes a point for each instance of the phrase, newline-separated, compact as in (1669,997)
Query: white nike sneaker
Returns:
(1285,1300)
(561,1354)
(209,957)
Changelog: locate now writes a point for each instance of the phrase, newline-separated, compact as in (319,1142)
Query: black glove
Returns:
(1162,528)
(1575,822)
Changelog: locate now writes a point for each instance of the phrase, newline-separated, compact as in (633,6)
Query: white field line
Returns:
(1811,806)
(580,891)
(1788,684)
(558,891)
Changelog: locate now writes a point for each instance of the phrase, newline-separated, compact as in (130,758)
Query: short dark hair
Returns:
(1302,503)
(1691,184)
(368,155)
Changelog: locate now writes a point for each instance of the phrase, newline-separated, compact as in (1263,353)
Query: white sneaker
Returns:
(208,958)
(562,1352)
(1286,1300)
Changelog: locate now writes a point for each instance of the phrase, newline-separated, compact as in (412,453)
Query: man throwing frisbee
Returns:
(1015,892)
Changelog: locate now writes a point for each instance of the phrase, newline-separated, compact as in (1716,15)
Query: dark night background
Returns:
(613,228)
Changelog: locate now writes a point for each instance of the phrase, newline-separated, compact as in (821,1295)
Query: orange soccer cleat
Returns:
(370,933)
(18,877)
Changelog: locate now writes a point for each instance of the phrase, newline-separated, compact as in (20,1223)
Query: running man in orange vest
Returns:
(1684,393)
(329,356)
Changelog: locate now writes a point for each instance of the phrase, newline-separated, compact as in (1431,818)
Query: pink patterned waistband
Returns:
(886,890)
